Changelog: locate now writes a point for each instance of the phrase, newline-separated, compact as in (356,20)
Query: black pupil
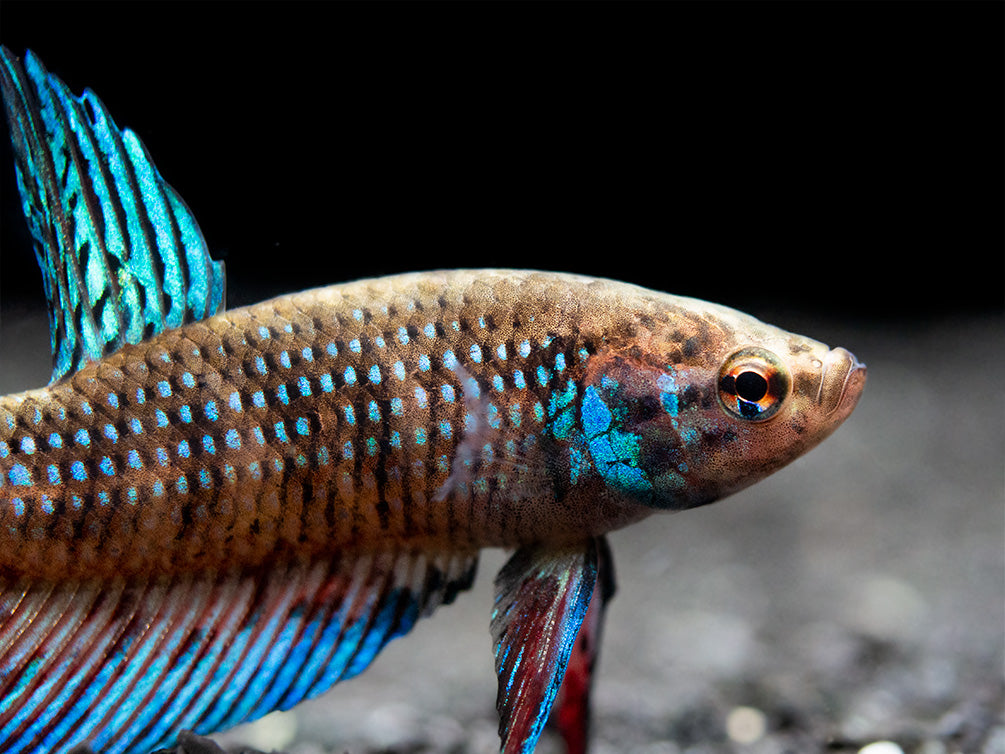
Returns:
(751,386)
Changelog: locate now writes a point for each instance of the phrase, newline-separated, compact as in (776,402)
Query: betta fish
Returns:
(208,515)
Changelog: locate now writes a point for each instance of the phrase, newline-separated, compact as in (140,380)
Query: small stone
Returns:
(745,725)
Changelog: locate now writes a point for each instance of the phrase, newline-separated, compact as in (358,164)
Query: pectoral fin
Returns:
(542,596)
(125,666)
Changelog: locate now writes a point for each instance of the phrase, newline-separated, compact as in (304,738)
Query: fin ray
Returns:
(121,255)
(124,667)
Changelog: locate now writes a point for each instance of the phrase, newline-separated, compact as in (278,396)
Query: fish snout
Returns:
(842,380)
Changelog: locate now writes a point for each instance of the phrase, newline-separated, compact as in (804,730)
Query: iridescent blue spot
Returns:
(350,415)
(280,428)
(481,322)
(111,433)
(682,468)
(278,465)
(429,330)
(282,395)
(235,402)
(446,430)
(182,484)
(46,504)
(188,380)
(371,446)
(77,502)
(208,445)
(263,333)
(54,477)
(260,366)
(162,456)
(379,341)
(357,314)
(141,396)
(4,450)
(456,325)
(284,359)
(55,440)
(332,350)
(18,504)
(258,399)
(104,498)
(106,466)
(347,451)
(205,479)
(374,411)
(424,363)
(325,381)
(300,460)
(349,376)
(304,385)
(183,449)
(158,488)
(421,399)
(85,407)
(133,495)
(113,400)
(518,379)
(323,457)
(162,419)
(501,352)
(449,360)
(307,354)
(229,474)
(545,341)
(374,374)
(77,471)
(136,426)
(583,354)
(399,370)
(355,346)
(255,469)
(303,426)
(560,362)
(420,436)
(515,414)
(134,460)
(396,407)
(669,401)
(28,445)
(542,376)
(185,413)
(83,437)
(447,391)
(539,411)
(403,336)
(476,353)
(524,349)
(259,435)
(497,383)
(395,440)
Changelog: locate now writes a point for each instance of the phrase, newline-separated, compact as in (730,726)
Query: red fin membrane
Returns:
(541,598)
(124,667)
(571,713)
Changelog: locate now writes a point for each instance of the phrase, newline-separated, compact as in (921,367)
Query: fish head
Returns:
(709,401)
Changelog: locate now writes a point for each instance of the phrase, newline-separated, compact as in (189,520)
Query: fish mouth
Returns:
(841,381)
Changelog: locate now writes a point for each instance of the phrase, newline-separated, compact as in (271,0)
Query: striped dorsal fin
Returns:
(122,257)
(124,667)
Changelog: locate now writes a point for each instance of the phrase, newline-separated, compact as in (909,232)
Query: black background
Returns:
(835,159)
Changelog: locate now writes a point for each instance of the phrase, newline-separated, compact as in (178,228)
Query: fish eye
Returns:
(753,384)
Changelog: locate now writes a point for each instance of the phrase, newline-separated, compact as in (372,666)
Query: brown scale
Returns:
(235,513)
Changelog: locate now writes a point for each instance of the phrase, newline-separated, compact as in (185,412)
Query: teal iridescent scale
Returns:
(122,256)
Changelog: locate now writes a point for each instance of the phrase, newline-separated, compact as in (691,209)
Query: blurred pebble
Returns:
(276,730)
(745,725)
(881,747)
(888,608)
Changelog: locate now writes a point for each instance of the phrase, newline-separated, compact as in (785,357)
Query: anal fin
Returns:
(123,667)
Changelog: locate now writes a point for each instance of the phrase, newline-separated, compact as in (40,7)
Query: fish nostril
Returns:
(839,368)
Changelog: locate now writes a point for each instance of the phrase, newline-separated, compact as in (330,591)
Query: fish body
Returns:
(207,516)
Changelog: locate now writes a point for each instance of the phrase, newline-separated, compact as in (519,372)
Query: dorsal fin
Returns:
(122,257)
